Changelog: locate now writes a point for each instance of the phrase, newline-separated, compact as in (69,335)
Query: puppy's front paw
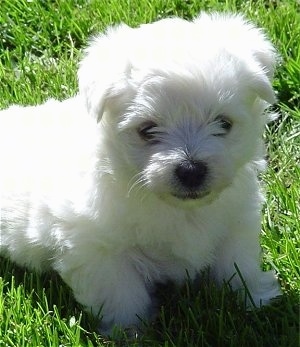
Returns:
(265,291)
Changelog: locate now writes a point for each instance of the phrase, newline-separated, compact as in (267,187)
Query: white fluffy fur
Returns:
(83,193)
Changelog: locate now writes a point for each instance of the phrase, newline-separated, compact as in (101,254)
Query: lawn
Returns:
(40,46)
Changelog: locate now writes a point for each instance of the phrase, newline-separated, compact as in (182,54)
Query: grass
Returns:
(40,44)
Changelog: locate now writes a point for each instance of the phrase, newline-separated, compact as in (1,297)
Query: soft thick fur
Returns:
(150,172)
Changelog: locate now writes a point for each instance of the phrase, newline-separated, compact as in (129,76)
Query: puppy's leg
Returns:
(239,260)
(110,286)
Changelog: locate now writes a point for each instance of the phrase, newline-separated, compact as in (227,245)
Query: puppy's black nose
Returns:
(191,174)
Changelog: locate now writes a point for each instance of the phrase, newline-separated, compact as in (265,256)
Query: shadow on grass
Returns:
(206,315)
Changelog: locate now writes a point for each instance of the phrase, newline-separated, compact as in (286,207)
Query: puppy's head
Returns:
(181,102)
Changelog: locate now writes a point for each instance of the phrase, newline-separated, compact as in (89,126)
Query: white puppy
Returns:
(150,172)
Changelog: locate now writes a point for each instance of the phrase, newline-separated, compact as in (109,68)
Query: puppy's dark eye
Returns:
(225,124)
(148,131)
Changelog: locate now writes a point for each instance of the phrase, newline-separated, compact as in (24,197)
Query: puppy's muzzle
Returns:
(191,175)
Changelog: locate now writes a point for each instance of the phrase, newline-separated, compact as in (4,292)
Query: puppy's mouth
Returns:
(191,195)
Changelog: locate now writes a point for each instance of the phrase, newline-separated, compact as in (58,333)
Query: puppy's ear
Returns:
(262,87)
(265,58)
(248,43)
(240,36)
(263,64)
(104,71)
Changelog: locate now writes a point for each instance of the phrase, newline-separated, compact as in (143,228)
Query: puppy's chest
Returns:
(189,239)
